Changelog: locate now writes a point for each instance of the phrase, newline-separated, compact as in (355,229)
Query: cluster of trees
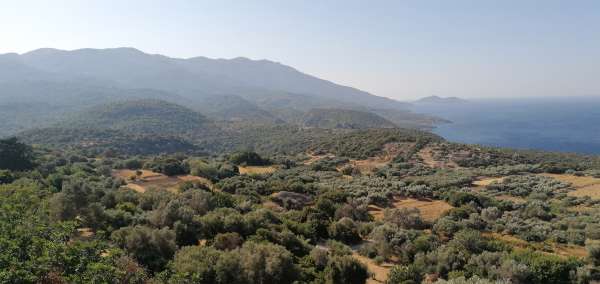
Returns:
(66,218)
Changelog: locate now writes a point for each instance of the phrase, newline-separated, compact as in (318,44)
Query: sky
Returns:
(399,49)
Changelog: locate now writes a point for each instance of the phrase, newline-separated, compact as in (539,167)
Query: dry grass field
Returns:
(430,209)
(249,170)
(485,181)
(149,179)
(583,185)
(563,250)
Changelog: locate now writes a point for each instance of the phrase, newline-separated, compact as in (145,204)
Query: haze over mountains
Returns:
(41,86)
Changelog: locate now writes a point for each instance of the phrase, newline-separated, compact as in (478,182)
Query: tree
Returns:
(344,230)
(15,156)
(248,158)
(404,274)
(151,247)
(345,269)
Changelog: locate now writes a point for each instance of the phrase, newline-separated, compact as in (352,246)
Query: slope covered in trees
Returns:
(468,214)
(343,118)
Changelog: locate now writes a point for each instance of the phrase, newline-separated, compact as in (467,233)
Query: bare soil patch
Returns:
(248,170)
(485,181)
(149,179)
(430,210)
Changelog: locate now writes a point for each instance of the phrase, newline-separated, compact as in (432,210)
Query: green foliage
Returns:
(248,158)
(15,155)
(404,274)
(252,263)
(345,269)
(153,248)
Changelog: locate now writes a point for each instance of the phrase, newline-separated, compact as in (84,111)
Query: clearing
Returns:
(583,185)
(427,155)
(485,181)
(257,170)
(389,153)
(379,271)
(430,210)
(149,179)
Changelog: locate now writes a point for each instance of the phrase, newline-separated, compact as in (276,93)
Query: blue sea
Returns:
(553,124)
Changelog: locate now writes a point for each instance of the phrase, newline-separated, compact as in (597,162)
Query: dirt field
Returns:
(256,170)
(584,186)
(430,209)
(149,179)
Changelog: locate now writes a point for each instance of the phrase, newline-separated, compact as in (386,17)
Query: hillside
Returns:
(343,118)
(194,77)
(46,85)
(374,203)
(141,116)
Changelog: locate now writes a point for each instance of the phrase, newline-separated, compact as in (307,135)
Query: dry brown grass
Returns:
(149,179)
(312,158)
(430,210)
(379,272)
(583,185)
(249,170)
(485,181)
(563,250)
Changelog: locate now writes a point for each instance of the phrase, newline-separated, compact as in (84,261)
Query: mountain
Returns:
(141,116)
(439,100)
(42,87)
(343,118)
(193,77)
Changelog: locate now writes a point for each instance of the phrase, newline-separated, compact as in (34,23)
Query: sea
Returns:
(566,124)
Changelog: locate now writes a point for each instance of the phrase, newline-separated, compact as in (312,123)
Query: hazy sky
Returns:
(399,49)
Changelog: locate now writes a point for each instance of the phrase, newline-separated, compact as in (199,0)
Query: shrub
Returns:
(345,269)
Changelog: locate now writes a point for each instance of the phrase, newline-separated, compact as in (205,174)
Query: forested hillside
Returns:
(282,205)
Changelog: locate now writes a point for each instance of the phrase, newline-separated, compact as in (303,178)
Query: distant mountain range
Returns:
(439,100)
(41,87)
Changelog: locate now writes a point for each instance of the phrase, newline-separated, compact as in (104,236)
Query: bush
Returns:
(344,230)
(345,269)
(248,158)
(151,247)
(404,274)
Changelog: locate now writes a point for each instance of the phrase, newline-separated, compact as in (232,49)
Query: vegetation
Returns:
(70,215)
